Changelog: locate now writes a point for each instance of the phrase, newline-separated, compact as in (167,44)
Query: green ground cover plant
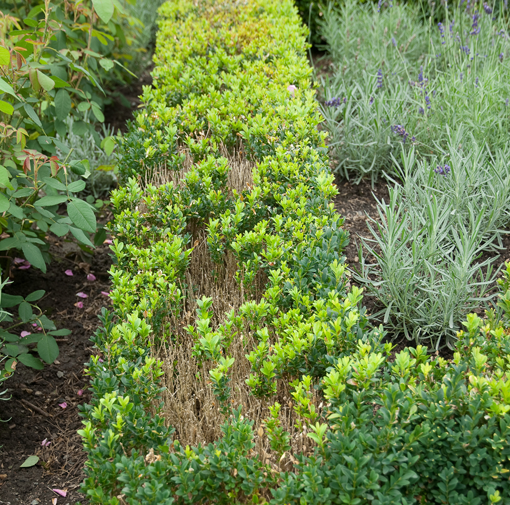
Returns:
(237,364)
(424,103)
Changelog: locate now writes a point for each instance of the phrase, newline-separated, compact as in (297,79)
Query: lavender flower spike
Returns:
(379,78)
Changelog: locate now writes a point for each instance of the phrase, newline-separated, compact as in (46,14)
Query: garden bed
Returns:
(35,410)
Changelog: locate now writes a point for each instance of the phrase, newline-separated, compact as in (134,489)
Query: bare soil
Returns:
(34,412)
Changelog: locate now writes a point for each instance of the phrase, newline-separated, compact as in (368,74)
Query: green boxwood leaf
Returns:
(82,215)
(47,348)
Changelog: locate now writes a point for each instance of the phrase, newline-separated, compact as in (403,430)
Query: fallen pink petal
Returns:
(63,405)
(91,277)
(17,261)
(60,492)
(26,266)
(82,295)
(108,241)
(291,89)
(105,293)
(69,273)
(80,392)
(54,500)
(34,324)
(79,305)
(45,442)
(100,360)
(24,334)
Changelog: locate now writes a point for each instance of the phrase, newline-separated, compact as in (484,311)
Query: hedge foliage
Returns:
(228,153)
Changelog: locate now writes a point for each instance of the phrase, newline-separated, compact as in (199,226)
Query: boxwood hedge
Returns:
(228,151)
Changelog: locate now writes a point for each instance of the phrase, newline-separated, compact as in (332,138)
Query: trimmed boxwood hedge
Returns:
(232,83)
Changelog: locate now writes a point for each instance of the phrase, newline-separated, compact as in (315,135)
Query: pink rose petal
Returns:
(24,334)
(79,305)
(91,277)
(69,273)
(82,295)
(105,293)
(34,324)
(63,405)
(108,241)
(26,266)
(60,492)
(18,261)
(80,392)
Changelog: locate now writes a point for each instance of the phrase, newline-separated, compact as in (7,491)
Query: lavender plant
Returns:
(398,72)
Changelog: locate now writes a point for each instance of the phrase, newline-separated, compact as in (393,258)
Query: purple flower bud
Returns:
(487,8)
(379,78)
